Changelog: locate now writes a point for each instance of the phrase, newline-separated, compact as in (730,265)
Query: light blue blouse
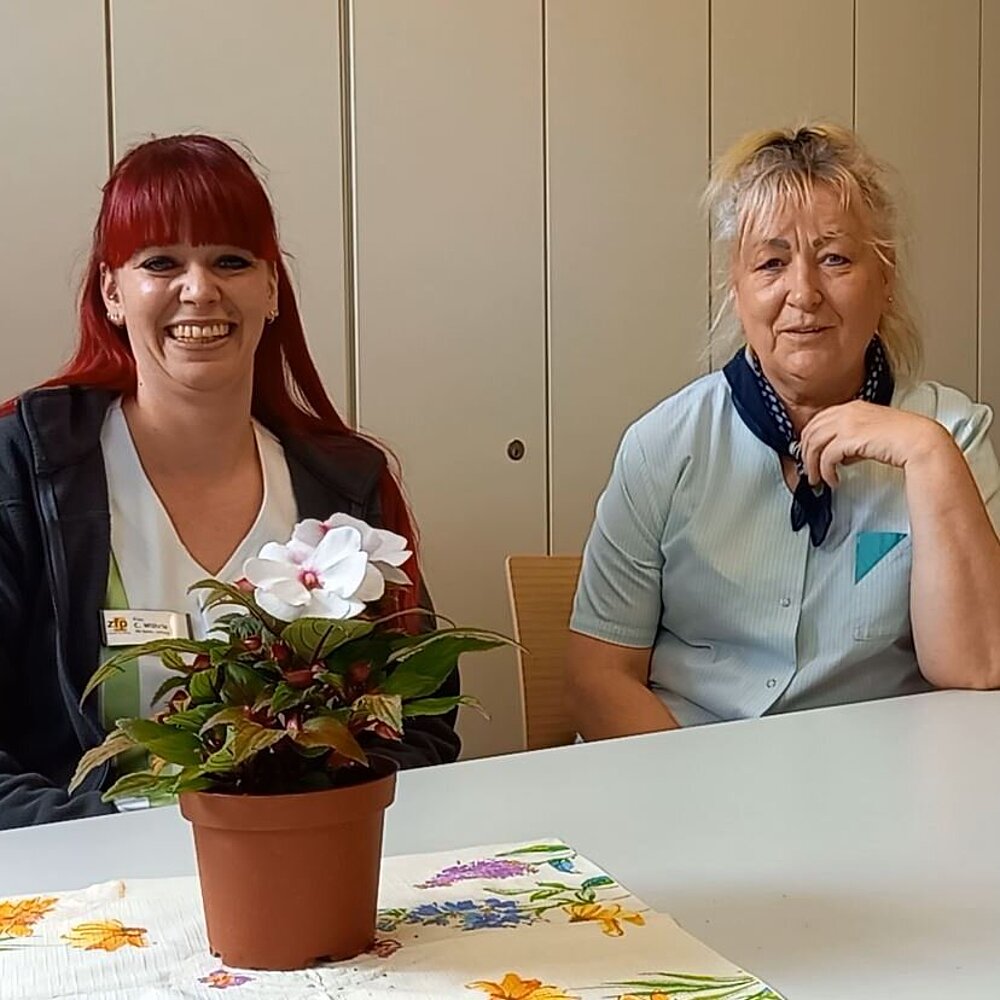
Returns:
(692,553)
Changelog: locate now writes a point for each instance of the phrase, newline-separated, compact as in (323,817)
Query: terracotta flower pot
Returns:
(287,880)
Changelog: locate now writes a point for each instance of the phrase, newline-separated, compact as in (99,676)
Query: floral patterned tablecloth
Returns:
(506,922)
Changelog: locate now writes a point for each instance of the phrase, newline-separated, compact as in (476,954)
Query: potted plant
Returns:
(259,738)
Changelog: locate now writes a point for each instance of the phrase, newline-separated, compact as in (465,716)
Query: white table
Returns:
(847,852)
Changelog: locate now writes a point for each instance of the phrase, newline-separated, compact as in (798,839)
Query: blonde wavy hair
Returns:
(767,171)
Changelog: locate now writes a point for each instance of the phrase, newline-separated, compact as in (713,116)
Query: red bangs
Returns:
(184,189)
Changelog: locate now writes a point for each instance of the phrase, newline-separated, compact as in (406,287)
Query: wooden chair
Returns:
(541,592)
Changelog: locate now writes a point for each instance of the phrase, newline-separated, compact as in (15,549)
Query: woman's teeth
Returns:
(188,331)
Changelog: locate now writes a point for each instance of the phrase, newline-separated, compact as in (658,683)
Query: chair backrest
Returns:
(541,592)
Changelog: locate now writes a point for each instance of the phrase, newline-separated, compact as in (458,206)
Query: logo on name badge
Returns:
(117,625)
(129,628)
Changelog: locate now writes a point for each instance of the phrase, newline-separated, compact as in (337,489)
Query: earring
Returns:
(272,315)
(115,317)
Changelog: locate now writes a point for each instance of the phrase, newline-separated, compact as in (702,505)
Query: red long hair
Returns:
(197,189)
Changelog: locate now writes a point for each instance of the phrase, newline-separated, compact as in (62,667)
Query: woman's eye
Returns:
(771,264)
(835,259)
(158,263)
(233,262)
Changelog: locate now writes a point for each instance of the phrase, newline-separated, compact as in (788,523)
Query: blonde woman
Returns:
(812,525)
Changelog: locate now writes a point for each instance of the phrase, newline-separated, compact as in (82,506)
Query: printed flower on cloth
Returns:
(18,917)
(609,917)
(223,980)
(677,986)
(513,987)
(106,935)
(491,868)
(463,926)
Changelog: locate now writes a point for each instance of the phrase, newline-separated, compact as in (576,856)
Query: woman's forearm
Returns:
(955,583)
(608,696)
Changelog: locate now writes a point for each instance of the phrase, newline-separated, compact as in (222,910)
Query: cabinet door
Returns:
(989,219)
(627,116)
(267,75)
(780,67)
(917,107)
(54,118)
(451,305)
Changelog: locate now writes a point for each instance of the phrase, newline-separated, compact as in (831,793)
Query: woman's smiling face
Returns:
(809,290)
(194,314)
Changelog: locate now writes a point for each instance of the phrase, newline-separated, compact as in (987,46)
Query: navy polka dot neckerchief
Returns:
(765,415)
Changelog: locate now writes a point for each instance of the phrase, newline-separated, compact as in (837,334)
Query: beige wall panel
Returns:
(54,121)
(627,93)
(765,74)
(450,272)
(267,74)
(790,64)
(989,265)
(917,108)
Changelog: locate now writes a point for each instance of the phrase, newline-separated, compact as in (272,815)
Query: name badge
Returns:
(129,628)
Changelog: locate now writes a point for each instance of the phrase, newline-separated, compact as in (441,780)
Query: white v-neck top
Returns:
(155,567)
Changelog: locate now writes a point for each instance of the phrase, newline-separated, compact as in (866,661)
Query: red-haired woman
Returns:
(189,428)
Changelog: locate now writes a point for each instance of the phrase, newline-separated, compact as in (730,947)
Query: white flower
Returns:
(386,551)
(324,580)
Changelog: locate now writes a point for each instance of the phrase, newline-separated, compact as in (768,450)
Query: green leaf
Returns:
(224,593)
(326,731)
(708,987)
(543,894)
(598,882)
(439,706)
(251,738)
(242,684)
(173,660)
(167,686)
(115,743)
(192,719)
(192,779)
(386,708)
(201,686)
(285,697)
(139,783)
(420,670)
(313,639)
(229,715)
(476,639)
(538,849)
(238,625)
(115,664)
(174,745)
(221,761)
(334,680)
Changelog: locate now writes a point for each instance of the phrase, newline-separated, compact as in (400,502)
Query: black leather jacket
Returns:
(54,554)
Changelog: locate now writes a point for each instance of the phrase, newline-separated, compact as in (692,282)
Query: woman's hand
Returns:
(855,431)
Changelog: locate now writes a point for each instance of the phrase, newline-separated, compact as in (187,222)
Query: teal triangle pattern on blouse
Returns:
(871,548)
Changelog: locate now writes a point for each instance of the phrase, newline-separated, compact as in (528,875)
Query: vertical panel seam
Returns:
(854,65)
(348,199)
(546,288)
(980,387)
(709,144)
(109,86)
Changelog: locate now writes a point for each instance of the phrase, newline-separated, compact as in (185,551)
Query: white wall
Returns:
(520,254)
